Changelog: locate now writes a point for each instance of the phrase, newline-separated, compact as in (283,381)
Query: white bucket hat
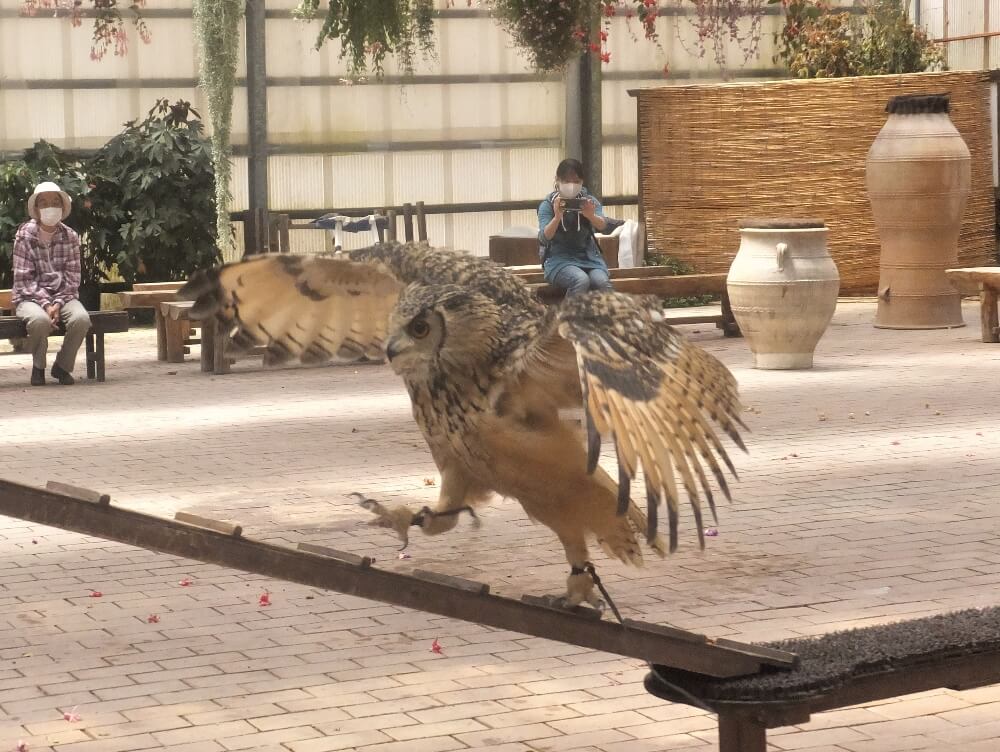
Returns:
(48,187)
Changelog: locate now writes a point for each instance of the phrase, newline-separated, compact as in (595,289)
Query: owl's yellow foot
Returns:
(580,589)
(400,519)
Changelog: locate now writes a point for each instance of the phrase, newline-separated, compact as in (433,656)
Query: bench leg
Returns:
(220,338)
(175,334)
(741,734)
(100,356)
(208,329)
(90,357)
(729,326)
(988,313)
(161,335)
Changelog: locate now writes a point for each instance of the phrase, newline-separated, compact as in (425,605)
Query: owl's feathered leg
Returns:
(579,584)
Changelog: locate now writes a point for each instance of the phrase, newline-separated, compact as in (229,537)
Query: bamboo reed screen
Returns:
(711,155)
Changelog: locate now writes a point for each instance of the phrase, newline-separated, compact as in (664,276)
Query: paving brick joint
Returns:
(869,495)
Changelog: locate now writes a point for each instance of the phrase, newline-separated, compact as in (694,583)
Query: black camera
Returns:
(575,204)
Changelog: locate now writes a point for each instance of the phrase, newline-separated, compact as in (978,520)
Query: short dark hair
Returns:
(570,165)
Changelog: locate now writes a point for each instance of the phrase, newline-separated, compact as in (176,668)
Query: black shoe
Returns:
(64,377)
(38,376)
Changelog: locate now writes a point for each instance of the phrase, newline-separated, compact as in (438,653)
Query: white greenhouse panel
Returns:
(356,180)
(416,112)
(31,115)
(417,176)
(472,231)
(532,172)
(296,40)
(295,182)
(476,175)
(535,109)
(99,114)
(523,219)
(469,46)
(354,113)
(20,41)
(239,200)
(170,52)
(296,115)
(485,120)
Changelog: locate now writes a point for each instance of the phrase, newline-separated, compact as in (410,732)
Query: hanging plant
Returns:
(722,23)
(109,25)
(217,27)
(371,30)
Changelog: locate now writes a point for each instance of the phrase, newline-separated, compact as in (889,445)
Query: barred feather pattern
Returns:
(655,394)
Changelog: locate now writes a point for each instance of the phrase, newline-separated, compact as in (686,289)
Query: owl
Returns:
(492,375)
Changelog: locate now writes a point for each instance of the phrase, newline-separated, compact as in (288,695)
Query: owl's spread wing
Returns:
(654,392)
(310,308)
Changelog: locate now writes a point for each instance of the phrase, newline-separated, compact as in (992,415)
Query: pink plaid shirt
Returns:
(46,273)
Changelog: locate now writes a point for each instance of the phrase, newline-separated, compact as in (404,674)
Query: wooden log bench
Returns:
(174,337)
(101,323)
(986,281)
(653,280)
(959,650)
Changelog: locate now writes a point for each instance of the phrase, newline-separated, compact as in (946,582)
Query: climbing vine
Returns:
(217,27)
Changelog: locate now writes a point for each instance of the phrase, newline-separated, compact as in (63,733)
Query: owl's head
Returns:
(436,328)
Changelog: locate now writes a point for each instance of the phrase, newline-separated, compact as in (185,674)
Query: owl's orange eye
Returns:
(418,328)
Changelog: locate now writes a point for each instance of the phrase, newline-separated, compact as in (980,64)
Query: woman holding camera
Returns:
(567,221)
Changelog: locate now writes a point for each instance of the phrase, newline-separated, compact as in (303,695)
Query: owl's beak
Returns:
(393,348)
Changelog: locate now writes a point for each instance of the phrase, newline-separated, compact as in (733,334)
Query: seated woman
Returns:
(567,221)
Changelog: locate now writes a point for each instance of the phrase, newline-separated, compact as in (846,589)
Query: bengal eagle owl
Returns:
(488,369)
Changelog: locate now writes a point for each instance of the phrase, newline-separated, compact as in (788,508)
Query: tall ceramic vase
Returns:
(783,289)
(919,172)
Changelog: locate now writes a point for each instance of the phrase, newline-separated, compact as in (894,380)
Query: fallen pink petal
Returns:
(711,532)
(436,647)
(96,594)
(403,555)
(186,582)
(265,599)
(21,746)
(71,715)
(153,618)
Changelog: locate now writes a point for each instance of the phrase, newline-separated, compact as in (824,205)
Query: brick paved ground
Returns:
(869,495)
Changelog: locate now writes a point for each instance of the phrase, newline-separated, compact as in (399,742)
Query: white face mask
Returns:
(50,217)
(570,190)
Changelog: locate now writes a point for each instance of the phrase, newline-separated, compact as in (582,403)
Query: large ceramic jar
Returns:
(919,172)
(783,289)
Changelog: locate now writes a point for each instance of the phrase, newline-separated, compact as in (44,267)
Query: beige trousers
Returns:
(75,319)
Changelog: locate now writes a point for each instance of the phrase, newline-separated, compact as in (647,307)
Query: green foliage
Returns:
(369,30)
(154,188)
(818,41)
(676,266)
(143,205)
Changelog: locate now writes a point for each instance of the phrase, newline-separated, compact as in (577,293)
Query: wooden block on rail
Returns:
(460,583)
(331,553)
(76,492)
(218,526)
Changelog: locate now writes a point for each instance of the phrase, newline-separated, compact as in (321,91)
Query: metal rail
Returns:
(90,513)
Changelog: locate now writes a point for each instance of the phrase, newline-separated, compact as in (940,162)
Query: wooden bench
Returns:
(101,323)
(986,281)
(215,357)
(653,280)
(959,650)
(173,336)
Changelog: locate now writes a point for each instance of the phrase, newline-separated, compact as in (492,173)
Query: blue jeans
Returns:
(577,281)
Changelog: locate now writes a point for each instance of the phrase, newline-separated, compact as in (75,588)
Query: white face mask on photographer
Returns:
(570,190)
(50,217)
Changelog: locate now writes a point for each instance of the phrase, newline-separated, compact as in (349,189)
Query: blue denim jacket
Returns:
(573,244)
